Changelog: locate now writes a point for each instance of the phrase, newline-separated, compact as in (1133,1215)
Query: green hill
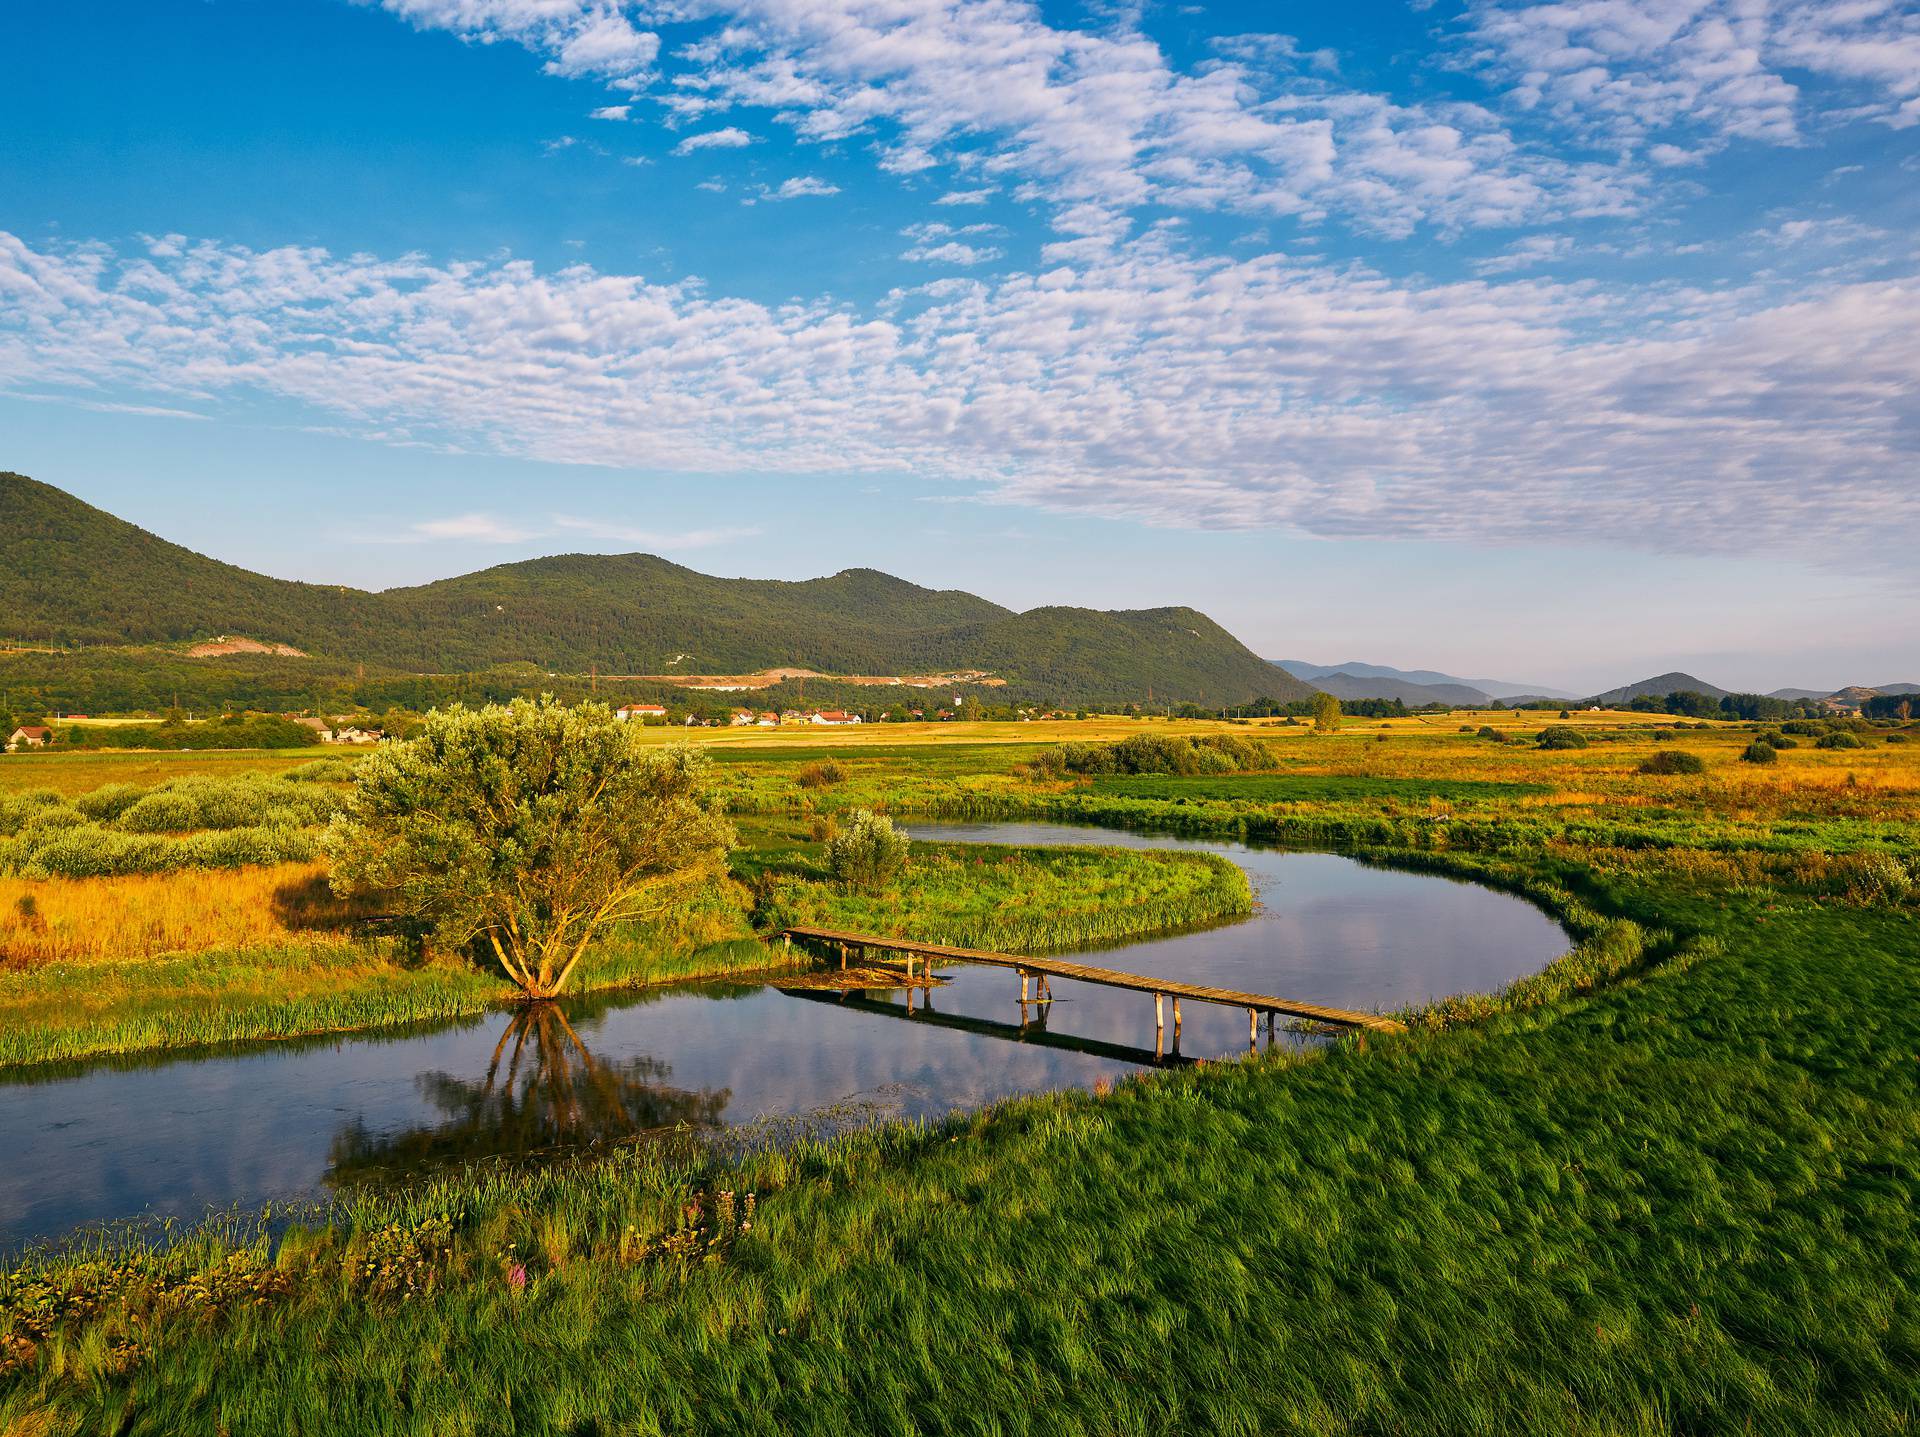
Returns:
(74,576)
(1658,687)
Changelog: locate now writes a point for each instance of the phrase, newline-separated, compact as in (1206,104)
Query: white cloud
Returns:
(1526,253)
(1144,382)
(947,244)
(1103,118)
(471,529)
(612,112)
(727,139)
(799,187)
(1629,69)
(577,38)
(966,197)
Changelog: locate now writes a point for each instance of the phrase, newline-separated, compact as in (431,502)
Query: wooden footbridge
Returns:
(1040,972)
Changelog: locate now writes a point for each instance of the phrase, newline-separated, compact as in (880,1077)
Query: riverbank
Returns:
(308,982)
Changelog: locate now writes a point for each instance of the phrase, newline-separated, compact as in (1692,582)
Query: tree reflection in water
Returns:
(543,1091)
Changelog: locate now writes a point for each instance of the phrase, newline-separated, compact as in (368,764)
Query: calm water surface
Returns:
(175,1136)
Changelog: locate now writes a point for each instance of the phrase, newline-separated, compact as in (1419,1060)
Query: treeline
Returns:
(1753,708)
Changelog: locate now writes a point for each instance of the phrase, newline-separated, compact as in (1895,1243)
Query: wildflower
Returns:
(517,1277)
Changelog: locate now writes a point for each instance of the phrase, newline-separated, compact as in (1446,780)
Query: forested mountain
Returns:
(1657,687)
(73,575)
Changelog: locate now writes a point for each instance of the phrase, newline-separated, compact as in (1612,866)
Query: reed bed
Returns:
(69,920)
(1020,899)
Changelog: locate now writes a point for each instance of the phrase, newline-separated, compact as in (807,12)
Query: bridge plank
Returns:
(1110,977)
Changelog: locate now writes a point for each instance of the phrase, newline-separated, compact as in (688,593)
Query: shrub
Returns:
(1673,760)
(1806,728)
(1487,730)
(1663,735)
(1560,736)
(869,852)
(1873,877)
(823,774)
(1840,738)
(1758,752)
(1774,739)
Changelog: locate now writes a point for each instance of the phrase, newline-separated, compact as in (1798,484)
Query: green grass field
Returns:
(1668,1189)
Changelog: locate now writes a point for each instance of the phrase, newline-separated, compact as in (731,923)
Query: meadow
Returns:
(1667,1186)
(195,910)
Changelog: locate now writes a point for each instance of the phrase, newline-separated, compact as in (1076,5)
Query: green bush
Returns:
(1806,728)
(1840,738)
(1157,753)
(1758,752)
(869,852)
(823,773)
(1562,737)
(1673,760)
(1774,739)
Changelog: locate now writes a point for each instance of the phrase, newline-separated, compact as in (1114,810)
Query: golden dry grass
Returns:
(50,920)
(73,772)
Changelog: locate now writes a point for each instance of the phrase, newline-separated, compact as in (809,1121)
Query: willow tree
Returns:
(527,830)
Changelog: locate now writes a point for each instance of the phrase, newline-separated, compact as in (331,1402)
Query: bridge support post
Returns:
(1024,981)
(1253,1030)
(1176,1025)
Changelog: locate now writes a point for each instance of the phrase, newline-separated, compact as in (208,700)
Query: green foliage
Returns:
(1561,736)
(1326,713)
(821,773)
(867,853)
(531,827)
(179,824)
(1308,788)
(1156,753)
(229,731)
(1840,738)
(1673,760)
(1758,752)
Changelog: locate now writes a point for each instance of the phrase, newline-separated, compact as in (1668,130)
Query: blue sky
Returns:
(1561,342)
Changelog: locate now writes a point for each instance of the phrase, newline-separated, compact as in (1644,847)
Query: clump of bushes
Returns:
(1560,736)
(1775,739)
(1758,752)
(824,773)
(184,823)
(869,852)
(1839,738)
(1155,753)
(1673,760)
(1806,728)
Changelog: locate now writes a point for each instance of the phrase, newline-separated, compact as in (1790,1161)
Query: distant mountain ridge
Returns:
(1489,689)
(72,574)
(1657,687)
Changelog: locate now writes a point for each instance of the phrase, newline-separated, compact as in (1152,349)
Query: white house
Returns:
(641,711)
(29,736)
(834,716)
